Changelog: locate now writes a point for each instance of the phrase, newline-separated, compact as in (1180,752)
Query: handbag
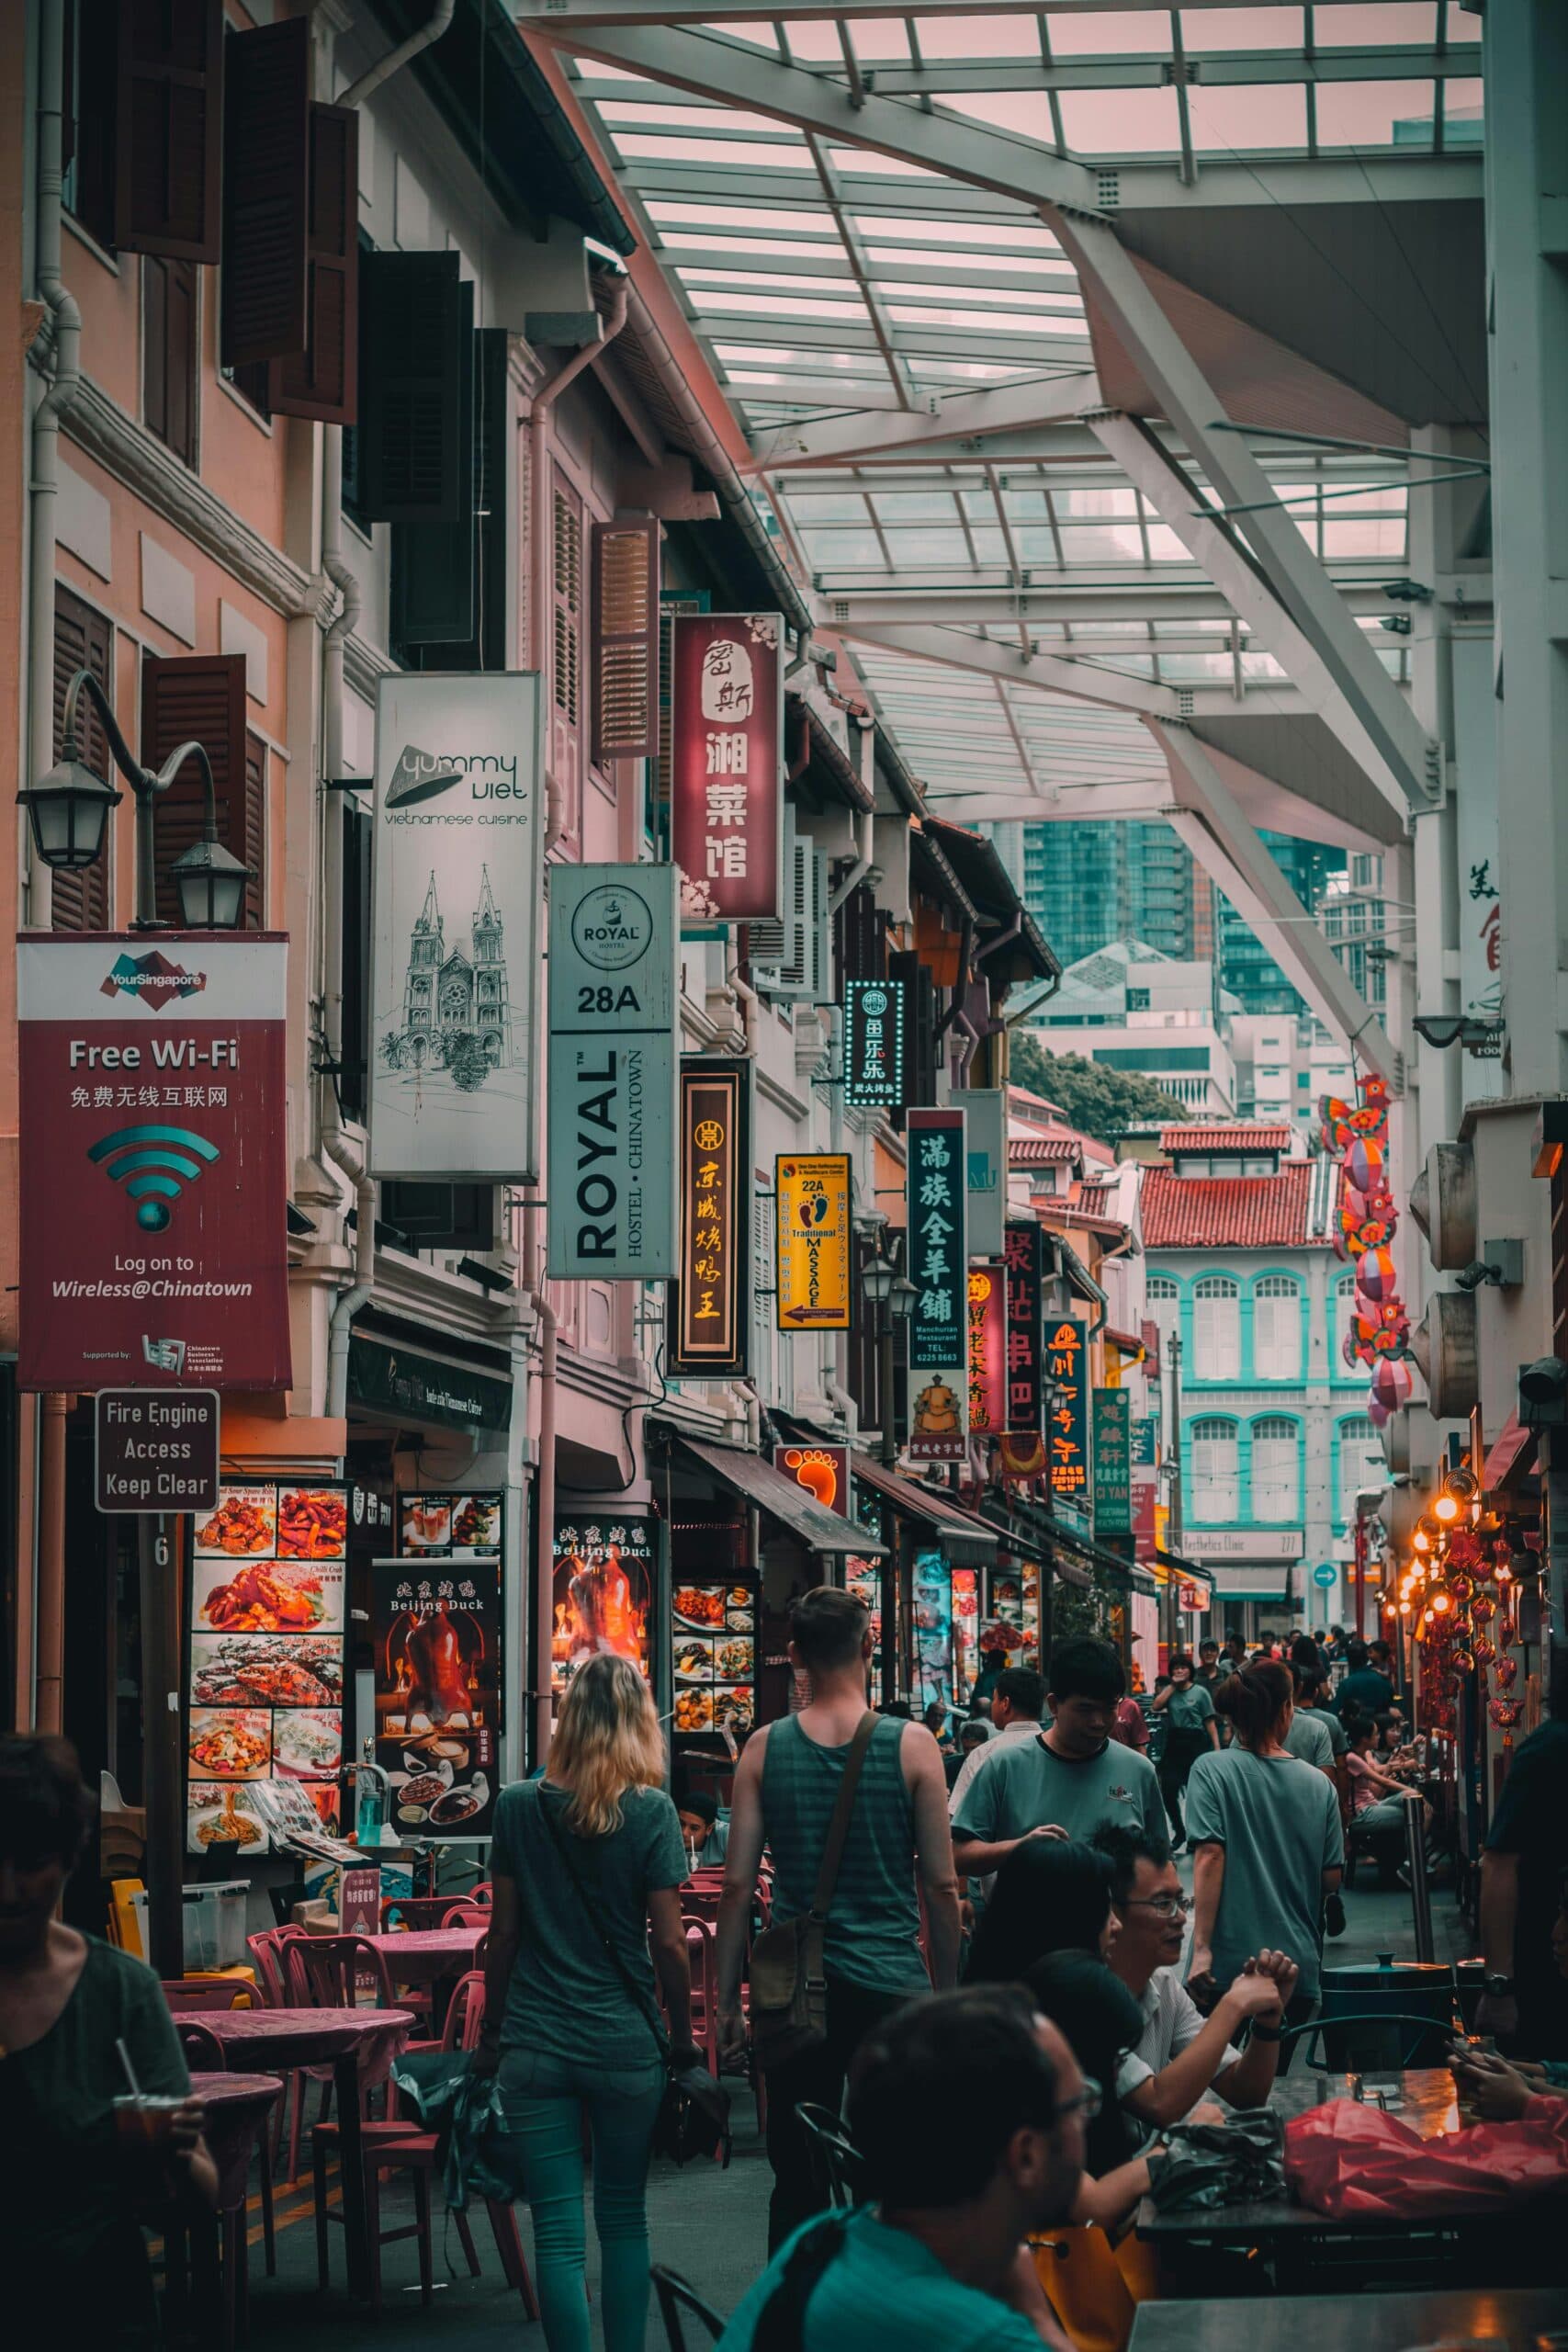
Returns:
(789,1983)
(693,2114)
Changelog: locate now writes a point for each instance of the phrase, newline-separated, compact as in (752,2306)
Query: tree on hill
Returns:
(1098,1102)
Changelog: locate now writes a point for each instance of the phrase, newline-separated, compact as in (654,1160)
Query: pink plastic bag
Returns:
(1351,2162)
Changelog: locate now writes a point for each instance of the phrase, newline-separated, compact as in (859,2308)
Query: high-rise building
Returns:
(1245,965)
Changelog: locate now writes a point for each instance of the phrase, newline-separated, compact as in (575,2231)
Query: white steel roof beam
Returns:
(840,440)
(767,12)
(1136,598)
(945,647)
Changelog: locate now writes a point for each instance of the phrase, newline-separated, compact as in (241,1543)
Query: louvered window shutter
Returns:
(432,564)
(170,364)
(167,128)
(769,941)
(566,640)
(255,852)
(626,638)
(322,380)
(266,176)
(90,81)
(410,389)
(83,640)
(196,698)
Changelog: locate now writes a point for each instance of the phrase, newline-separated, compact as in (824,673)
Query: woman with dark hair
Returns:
(1048,1897)
(68,2005)
(1190,1730)
(1267,1844)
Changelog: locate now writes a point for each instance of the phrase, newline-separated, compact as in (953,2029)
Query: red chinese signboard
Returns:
(153,1176)
(709,1324)
(727,800)
(988,1350)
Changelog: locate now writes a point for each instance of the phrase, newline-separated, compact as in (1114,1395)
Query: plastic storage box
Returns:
(214,1923)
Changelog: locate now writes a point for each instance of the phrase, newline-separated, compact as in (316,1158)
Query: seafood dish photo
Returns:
(694,1661)
(248,1671)
(735,1708)
(476,1524)
(732,1660)
(266,1599)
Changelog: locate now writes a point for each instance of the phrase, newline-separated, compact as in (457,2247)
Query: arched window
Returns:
(1216,1328)
(1277,1327)
(1216,1479)
(1276,1468)
(1362,1463)
(1162,1293)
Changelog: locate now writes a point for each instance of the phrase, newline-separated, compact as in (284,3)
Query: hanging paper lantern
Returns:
(1484,1651)
(1393,1383)
(1505,1712)
(1462,1587)
(1508,1633)
(1377,1275)
(1377,1412)
(1507,1670)
(1364,1163)
(1460,1663)
(1483,1609)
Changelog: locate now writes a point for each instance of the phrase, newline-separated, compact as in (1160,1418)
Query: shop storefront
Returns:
(1257,1575)
(930,1587)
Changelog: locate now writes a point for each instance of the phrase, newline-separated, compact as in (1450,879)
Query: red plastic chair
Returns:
(205,2054)
(323,1973)
(414,1912)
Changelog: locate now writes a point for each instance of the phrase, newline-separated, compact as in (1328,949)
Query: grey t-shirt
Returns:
(565,1997)
(1189,1710)
(1310,1738)
(1277,1820)
(1024,1786)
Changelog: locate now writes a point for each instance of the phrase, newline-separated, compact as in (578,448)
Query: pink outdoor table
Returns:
(235,2105)
(359,2045)
(426,1953)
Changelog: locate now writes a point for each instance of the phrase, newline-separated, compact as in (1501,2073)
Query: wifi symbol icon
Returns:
(156,1165)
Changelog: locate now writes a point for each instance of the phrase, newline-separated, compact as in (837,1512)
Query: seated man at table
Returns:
(706,1836)
(968,2111)
(1183,2055)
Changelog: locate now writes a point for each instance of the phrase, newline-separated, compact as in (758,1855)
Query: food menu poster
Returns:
(713,1628)
(435,1638)
(1013,1627)
(266,1656)
(932,1593)
(604,1575)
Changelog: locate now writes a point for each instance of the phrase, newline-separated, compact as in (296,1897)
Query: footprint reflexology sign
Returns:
(153,1176)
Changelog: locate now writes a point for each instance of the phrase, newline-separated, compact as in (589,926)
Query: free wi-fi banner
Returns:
(153,1175)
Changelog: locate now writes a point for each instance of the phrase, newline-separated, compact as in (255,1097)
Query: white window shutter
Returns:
(769,940)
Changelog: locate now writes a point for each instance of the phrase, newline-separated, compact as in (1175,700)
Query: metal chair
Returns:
(676,2296)
(835,2160)
(1426,2048)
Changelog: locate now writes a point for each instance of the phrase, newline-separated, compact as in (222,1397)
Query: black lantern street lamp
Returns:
(70,808)
(893,1295)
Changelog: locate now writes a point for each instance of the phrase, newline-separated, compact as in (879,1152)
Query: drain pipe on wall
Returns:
(396,59)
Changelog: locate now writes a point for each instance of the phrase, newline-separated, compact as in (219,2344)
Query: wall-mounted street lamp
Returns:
(893,1295)
(69,810)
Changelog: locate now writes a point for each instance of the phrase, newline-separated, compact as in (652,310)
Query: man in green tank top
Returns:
(785,1787)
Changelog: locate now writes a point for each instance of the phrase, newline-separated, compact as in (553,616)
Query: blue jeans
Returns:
(544,2098)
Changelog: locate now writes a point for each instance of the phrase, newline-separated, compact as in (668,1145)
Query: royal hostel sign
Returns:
(812,1202)
(153,1177)
(613,1063)
(458,890)
(939,1322)
(726,793)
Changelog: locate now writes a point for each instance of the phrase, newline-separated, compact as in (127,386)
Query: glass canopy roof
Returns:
(825,279)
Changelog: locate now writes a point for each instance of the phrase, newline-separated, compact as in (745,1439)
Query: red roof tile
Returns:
(1229,1211)
(1039,1151)
(1226,1134)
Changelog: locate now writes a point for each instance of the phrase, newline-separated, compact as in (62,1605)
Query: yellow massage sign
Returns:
(812,1198)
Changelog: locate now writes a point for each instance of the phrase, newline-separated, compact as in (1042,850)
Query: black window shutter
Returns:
(92,104)
(352,1078)
(197,697)
(167,128)
(433,583)
(169,354)
(411,384)
(920,1014)
(267,144)
(439,544)
(83,640)
(322,380)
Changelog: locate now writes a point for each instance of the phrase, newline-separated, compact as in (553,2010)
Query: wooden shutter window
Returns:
(89,79)
(83,640)
(322,381)
(410,389)
(196,697)
(170,377)
(566,635)
(255,852)
(626,639)
(167,128)
(432,600)
(267,150)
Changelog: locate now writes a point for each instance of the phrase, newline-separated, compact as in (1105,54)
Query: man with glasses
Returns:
(1183,2055)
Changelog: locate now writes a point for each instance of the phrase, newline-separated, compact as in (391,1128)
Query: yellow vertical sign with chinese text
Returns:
(811,1198)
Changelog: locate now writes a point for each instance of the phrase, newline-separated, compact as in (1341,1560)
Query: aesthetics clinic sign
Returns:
(153,1171)
(613,1065)
(726,734)
(458,891)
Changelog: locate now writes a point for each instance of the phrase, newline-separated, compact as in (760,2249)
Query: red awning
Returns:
(1512,1453)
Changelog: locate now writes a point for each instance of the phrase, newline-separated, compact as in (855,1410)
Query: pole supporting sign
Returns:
(613,1063)
(811,1199)
(709,1322)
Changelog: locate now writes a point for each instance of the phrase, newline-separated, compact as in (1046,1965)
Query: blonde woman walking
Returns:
(587,1865)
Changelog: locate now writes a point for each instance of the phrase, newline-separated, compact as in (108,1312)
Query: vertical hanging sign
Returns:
(811,1198)
(873,1043)
(1067,1438)
(986,1151)
(710,1307)
(613,1062)
(1113,1461)
(939,1323)
(725,739)
(1023,1445)
(988,1350)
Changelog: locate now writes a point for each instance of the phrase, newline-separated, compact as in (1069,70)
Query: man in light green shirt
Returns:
(1072,1782)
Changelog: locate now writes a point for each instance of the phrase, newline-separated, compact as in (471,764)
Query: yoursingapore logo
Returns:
(152,979)
(426,775)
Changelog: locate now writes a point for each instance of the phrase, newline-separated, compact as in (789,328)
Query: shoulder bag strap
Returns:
(595,1918)
(845,1806)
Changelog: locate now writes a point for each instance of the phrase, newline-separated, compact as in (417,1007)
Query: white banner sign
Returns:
(1218,1544)
(613,1060)
(458,890)
(984,1145)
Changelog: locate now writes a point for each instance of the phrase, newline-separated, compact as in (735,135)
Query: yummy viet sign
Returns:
(1066,1435)
(811,1199)
(708,1323)
(726,729)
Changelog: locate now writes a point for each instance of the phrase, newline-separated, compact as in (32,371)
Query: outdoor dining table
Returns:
(1509,2315)
(236,2106)
(1294,2236)
(426,1953)
(359,2045)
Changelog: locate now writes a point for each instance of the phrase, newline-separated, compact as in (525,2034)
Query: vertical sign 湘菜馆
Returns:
(986,1156)
(458,887)
(873,1043)
(1068,1440)
(613,1065)
(811,1197)
(938,1321)
(988,1350)
(1112,1455)
(726,792)
(153,1171)
(709,1323)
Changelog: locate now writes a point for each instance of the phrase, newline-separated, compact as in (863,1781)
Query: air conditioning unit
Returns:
(792,961)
